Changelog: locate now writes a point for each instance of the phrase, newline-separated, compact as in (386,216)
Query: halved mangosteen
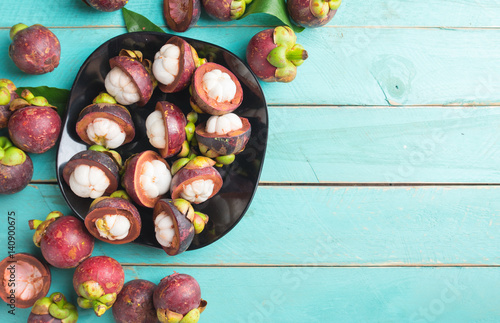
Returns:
(166,128)
(146,178)
(114,220)
(224,135)
(173,226)
(197,181)
(215,90)
(105,123)
(24,280)
(175,64)
(91,173)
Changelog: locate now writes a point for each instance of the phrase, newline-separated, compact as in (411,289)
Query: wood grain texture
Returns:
(294,295)
(320,226)
(430,13)
(346,66)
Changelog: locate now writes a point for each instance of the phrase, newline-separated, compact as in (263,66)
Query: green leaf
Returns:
(276,8)
(137,22)
(56,97)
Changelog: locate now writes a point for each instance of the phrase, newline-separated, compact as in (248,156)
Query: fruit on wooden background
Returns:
(35,49)
(34,126)
(106,5)
(52,309)
(97,281)
(64,240)
(273,54)
(16,168)
(31,278)
(134,303)
(7,95)
(178,299)
(181,14)
(225,10)
(312,13)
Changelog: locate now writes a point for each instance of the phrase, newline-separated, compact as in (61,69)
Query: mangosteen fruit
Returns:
(146,178)
(181,14)
(64,241)
(223,135)
(197,181)
(114,220)
(7,95)
(34,126)
(106,5)
(134,304)
(312,13)
(130,79)
(178,299)
(273,54)
(16,168)
(35,49)
(175,64)
(97,281)
(24,280)
(225,10)
(91,173)
(166,128)
(105,123)
(215,90)
(52,309)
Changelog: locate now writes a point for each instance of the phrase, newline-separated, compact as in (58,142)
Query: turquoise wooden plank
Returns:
(315,294)
(365,67)
(341,226)
(452,13)
(371,145)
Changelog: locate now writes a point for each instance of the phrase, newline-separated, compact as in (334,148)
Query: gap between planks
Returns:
(316,266)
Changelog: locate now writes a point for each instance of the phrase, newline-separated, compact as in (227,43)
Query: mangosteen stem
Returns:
(15,29)
(296,54)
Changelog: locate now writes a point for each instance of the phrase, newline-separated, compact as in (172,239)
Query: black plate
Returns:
(227,207)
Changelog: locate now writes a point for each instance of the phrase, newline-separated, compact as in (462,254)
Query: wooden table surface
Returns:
(379,196)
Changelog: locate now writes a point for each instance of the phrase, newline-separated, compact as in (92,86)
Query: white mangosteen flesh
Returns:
(29,280)
(198,191)
(105,132)
(155,129)
(121,87)
(113,226)
(223,124)
(166,64)
(219,86)
(165,230)
(155,178)
(88,181)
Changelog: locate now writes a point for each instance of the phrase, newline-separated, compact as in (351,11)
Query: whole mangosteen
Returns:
(181,14)
(35,49)
(312,13)
(16,168)
(134,303)
(225,10)
(53,309)
(106,5)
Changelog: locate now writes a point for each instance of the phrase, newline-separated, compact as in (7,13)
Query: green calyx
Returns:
(92,296)
(184,150)
(192,116)
(104,97)
(15,29)
(226,159)
(287,55)
(334,4)
(238,8)
(29,98)
(57,306)
(206,151)
(185,208)
(192,316)
(178,164)
(199,221)
(190,128)
(111,153)
(41,226)
(4,96)
(10,155)
(120,194)
(167,316)
(321,8)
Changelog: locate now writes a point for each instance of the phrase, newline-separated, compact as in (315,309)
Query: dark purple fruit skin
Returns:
(257,50)
(102,269)
(191,17)
(184,229)
(15,178)
(94,158)
(45,318)
(139,75)
(114,112)
(179,293)
(35,50)
(300,12)
(175,124)
(5,111)
(106,5)
(186,68)
(34,129)
(218,9)
(231,143)
(66,242)
(134,304)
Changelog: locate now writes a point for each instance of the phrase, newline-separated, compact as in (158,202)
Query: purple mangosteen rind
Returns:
(134,303)
(15,178)
(187,66)
(231,143)
(177,295)
(114,112)
(139,75)
(180,24)
(97,159)
(106,5)
(219,10)
(175,124)
(184,229)
(303,12)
